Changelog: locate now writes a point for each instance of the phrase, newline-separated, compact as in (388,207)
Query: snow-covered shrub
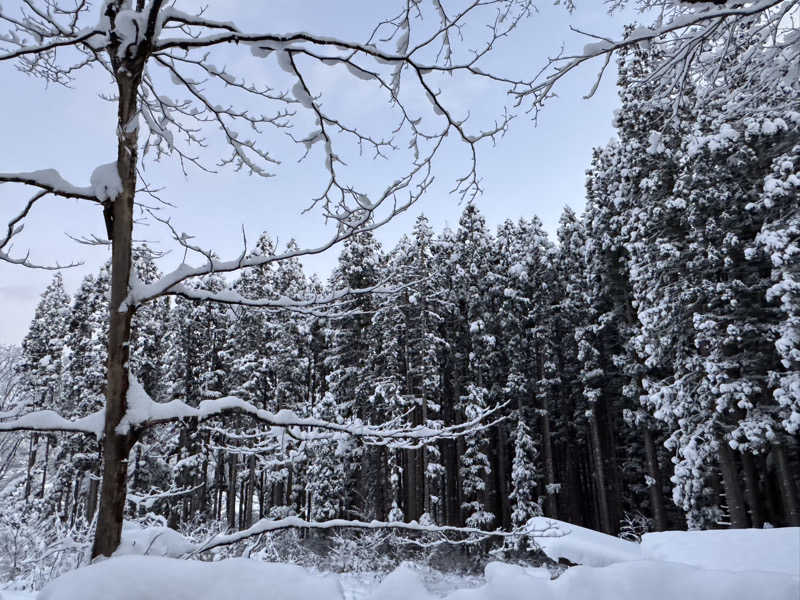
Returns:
(633,526)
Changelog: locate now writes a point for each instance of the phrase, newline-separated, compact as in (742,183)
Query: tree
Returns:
(680,30)
(148,46)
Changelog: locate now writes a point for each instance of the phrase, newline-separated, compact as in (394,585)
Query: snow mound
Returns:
(775,550)
(153,541)
(739,550)
(404,583)
(580,545)
(631,581)
(105,182)
(159,578)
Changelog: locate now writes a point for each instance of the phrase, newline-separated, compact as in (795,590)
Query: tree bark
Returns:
(33,446)
(733,491)
(116,446)
(251,489)
(599,473)
(44,465)
(752,490)
(550,505)
(656,489)
(502,477)
(786,483)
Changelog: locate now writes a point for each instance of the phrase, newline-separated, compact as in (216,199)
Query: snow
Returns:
(768,550)
(582,546)
(402,584)
(712,565)
(636,580)
(49,179)
(130,26)
(159,578)
(774,550)
(106,182)
(49,420)
(152,541)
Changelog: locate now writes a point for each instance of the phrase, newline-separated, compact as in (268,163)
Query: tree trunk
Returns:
(251,489)
(33,446)
(550,505)
(656,489)
(733,491)
(44,465)
(117,447)
(502,477)
(91,498)
(752,490)
(231,500)
(787,486)
(599,474)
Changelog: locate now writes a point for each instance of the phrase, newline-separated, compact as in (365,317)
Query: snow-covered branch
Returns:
(51,421)
(683,31)
(52,182)
(143,413)
(270,525)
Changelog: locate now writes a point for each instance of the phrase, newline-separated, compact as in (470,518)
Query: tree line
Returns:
(645,363)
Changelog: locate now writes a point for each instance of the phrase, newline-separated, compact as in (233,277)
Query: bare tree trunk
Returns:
(752,490)
(787,486)
(733,491)
(251,488)
(33,446)
(550,505)
(656,487)
(116,446)
(501,478)
(91,498)
(231,500)
(44,464)
(600,473)
(572,491)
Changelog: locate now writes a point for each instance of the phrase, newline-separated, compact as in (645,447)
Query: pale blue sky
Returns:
(533,170)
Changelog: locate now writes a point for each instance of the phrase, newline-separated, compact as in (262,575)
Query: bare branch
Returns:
(270,525)
(50,181)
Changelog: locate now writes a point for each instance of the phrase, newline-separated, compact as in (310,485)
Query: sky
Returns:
(536,168)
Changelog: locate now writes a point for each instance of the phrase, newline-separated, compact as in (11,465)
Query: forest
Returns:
(628,381)
(643,366)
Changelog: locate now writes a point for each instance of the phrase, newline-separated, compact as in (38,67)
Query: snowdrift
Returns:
(580,545)
(152,541)
(772,550)
(775,550)
(161,578)
(635,580)
(748,564)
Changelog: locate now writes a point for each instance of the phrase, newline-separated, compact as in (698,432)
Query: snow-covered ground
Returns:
(773,550)
(724,565)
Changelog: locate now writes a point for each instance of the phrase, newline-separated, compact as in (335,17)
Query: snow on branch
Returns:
(52,182)
(49,181)
(269,525)
(50,39)
(142,413)
(681,31)
(171,284)
(51,421)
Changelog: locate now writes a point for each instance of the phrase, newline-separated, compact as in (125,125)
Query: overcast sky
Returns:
(535,169)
